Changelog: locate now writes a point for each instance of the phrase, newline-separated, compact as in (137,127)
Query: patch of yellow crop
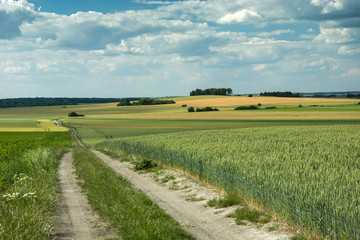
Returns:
(29,125)
(51,126)
(220,101)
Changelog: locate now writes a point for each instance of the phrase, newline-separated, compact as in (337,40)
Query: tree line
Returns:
(144,101)
(211,91)
(280,94)
(42,101)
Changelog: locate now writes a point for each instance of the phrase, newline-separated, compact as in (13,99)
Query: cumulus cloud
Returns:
(275,33)
(12,15)
(354,72)
(242,16)
(338,35)
(348,50)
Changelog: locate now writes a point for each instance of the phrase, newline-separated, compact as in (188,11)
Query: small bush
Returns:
(272,107)
(259,105)
(250,95)
(145,165)
(251,107)
(74,114)
(184,105)
(191,109)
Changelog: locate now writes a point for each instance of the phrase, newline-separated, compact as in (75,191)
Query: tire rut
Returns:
(75,219)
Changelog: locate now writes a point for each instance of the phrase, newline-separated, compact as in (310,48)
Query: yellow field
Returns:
(220,101)
(29,125)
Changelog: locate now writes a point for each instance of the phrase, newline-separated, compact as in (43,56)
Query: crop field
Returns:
(218,101)
(28,176)
(299,161)
(92,131)
(29,125)
(106,121)
(309,175)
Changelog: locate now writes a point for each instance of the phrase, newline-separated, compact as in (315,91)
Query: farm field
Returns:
(29,125)
(311,133)
(306,174)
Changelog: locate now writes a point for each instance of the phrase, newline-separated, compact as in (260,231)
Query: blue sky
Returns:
(92,48)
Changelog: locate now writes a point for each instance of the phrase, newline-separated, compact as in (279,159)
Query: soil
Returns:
(185,200)
(75,219)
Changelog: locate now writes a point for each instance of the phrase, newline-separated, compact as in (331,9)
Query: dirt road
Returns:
(74,219)
(203,222)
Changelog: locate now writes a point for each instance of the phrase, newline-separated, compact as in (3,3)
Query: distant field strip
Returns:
(309,175)
(29,125)
(203,101)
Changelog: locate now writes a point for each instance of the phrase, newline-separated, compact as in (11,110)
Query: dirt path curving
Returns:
(203,222)
(74,219)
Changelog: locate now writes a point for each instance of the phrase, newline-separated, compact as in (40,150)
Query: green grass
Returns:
(306,174)
(251,215)
(130,212)
(28,183)
(227,201)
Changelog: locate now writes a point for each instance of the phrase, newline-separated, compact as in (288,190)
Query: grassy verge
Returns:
(27,203)
(130,212)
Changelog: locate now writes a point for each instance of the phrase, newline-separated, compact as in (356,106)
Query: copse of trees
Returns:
(280,94)
(211,91)
(205,109)
(124,102)
(145,101)
(251,107)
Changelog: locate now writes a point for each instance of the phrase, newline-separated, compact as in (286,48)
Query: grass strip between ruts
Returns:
(131,213)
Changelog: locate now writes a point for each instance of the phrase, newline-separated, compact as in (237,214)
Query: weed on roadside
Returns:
(251,215)
(227,201)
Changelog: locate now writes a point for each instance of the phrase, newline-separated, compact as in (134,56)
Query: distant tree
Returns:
(251,107)
(280,94)
(206,109)
(74,114)
(191,109)
(211,91)
(151,101)
(250,95)
(124,102)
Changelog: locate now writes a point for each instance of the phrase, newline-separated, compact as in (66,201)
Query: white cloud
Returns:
(275,33)
(259,67)
(329,5)
(338,35)
(242,16)
(354,72)
(348,50)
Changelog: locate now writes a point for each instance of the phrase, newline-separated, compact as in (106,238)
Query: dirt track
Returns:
(74,219)
(203,222)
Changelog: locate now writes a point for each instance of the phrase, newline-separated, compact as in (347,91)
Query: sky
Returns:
(136,48)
